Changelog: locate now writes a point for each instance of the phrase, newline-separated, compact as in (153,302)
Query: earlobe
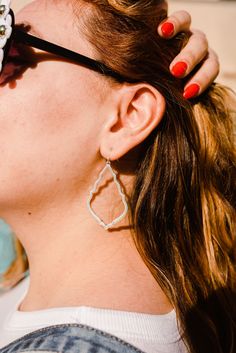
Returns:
(139,109)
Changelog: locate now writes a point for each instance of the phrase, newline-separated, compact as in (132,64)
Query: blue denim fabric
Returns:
(69,338)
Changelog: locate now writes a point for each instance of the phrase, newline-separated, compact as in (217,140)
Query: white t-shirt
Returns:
(149,333)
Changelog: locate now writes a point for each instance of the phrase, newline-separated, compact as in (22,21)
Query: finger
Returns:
(204,77)
(192,54)
(179,21)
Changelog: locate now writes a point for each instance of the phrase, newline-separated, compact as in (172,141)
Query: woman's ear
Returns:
(139,108)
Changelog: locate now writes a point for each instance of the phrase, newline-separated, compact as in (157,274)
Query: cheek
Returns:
(48,128)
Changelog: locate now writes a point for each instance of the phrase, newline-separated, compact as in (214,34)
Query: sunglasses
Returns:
(9,33)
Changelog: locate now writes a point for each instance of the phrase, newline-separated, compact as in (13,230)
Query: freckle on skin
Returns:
(29,213)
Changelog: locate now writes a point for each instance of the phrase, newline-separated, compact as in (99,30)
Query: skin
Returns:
(68,120)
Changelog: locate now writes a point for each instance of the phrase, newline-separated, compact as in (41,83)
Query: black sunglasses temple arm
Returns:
(35,42)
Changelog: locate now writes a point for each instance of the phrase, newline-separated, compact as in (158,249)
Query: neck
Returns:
(71,258)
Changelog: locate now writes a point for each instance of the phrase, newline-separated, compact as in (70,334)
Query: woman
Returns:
(173,250)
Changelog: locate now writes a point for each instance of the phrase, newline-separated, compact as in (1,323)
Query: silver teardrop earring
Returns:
(94,190)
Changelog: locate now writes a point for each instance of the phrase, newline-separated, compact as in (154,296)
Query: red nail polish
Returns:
(167,29)
(191,91)
(179,69)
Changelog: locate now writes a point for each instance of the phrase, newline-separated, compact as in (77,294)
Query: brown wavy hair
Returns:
(183,200)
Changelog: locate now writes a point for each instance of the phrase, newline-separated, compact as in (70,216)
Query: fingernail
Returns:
(167,29)
(179,69)
(191,91)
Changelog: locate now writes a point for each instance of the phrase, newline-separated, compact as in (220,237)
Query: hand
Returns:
(196,51)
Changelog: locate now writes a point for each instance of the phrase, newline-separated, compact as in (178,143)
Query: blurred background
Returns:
(217,18)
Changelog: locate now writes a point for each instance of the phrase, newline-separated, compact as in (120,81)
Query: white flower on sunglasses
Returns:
(4,8)
(5,34)
(5,30)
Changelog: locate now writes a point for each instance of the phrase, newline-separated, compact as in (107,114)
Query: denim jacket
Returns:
(69,338)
